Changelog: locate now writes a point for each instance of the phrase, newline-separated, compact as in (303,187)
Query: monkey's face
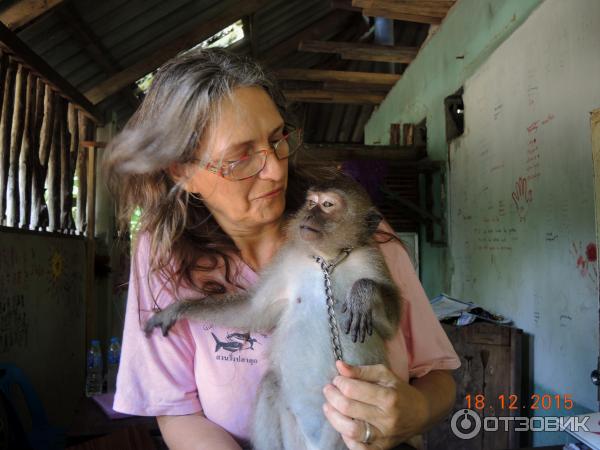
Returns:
(321,215)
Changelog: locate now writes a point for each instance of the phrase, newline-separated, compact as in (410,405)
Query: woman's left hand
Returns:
(395,410)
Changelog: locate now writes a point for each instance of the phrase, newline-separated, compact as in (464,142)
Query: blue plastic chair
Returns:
(42,436)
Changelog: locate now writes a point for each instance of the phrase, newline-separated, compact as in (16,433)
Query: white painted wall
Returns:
(519,247)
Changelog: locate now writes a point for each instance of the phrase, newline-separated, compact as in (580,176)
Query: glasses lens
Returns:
(290,144)
(248,167)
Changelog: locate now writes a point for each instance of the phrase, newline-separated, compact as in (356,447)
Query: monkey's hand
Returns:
(359,306)
(165,318)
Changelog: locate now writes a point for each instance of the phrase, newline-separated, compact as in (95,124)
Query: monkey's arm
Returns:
(371,303)
(237,310)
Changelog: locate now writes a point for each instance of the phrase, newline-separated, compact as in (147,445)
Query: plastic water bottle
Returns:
(93,379)
(114,354)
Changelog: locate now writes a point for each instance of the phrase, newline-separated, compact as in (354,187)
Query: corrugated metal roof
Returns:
(131,30)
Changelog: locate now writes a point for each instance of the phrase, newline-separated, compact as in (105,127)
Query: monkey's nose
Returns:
(309,217)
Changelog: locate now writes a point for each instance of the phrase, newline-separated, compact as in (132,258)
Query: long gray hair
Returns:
(183,101)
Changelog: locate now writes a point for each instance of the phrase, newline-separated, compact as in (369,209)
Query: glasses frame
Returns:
(228,166)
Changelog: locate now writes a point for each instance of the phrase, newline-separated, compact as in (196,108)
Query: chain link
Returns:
(327,269)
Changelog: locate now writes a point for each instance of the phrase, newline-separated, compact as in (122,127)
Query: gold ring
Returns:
(368,433)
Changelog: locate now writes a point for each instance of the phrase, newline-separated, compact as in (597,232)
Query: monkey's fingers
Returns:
(364,327)
(348,325)
(161,319)
(356,329)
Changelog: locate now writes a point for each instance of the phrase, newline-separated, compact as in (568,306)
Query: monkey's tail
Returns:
(218,343)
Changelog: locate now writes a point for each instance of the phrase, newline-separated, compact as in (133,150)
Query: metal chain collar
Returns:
(327,268)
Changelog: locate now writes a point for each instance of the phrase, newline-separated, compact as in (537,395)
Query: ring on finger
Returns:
(368,433)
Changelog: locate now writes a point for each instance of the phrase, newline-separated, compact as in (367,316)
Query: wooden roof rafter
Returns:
(350,77)
(23,12)
(334,21)
(422,11)
(334,96)
(362,52)
(235,10)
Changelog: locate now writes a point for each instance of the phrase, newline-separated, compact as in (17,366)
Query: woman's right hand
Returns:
(194,432)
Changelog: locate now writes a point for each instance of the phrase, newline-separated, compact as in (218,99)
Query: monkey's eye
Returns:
(311,203)
(327,204)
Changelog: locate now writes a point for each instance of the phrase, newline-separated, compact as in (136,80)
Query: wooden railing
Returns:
(41,159)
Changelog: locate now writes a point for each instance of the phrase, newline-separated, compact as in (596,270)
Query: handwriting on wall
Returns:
(39,276)
(13,318)
(493,238)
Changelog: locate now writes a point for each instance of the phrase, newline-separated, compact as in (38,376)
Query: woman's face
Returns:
(248,122)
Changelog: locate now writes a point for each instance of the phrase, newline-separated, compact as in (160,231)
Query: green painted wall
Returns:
(468,35)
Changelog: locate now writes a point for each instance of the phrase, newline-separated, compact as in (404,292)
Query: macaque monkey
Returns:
(337,224)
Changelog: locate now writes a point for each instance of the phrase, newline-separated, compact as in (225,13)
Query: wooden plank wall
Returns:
(40,154)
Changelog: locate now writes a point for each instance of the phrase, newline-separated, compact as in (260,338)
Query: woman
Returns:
(205,157)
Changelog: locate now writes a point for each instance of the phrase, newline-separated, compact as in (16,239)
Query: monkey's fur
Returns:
(290,301)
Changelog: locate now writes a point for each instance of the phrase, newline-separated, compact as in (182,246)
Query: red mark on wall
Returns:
(549,118)
(591,252)
(533,126)
(522,197)
(585,260)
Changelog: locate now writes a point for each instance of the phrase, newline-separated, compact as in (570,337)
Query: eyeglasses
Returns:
(252,163)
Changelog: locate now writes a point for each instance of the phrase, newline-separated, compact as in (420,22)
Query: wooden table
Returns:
(90,422)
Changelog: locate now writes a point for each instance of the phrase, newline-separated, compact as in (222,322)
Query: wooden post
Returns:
(65,170)
(5,124)
(25,160)
(72,133)
(41,162)
(81,173)
(53,175)
(91,312)
(38,117)
(16,134)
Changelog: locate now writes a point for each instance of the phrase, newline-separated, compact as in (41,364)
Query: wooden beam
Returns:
(250,31)
(427,8)
(343,152)
(378,12)
(426,11)
(363,52)
(345,5)
(379,79)
(90,144)
(24,11)
(233,11)
(335,20)
(322,96)
(91,307)
(11,42)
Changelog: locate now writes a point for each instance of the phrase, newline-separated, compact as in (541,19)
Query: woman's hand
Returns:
(395,409)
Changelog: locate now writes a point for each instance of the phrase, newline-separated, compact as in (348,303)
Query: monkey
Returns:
(334,230)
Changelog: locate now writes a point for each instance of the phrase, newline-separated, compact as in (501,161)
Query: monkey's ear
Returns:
(373,219)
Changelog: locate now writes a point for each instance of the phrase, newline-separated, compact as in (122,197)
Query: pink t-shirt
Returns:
(201,367)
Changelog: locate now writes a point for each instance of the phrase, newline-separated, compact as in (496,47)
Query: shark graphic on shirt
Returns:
(235,342)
